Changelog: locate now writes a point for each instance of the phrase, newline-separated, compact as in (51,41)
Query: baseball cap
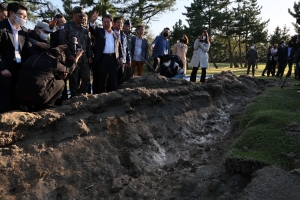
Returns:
(78,10)
(44,25)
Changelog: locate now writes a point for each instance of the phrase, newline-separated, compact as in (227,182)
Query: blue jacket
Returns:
(158,49)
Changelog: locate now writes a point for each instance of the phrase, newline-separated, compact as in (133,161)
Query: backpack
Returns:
(177,59)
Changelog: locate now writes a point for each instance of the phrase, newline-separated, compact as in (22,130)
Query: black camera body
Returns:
(78,47)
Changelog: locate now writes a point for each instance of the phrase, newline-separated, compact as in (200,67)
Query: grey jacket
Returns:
(144,48)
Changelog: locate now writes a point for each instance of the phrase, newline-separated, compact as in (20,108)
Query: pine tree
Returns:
(296,15)
(144,11)
(250,28)
(206,15)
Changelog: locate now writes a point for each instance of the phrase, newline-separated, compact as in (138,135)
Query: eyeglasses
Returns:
(22,15)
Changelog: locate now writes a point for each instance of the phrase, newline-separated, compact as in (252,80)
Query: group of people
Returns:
(278,57)
(281,56)
(36,64)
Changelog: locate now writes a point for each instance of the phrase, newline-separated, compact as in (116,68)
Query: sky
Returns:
(276,11)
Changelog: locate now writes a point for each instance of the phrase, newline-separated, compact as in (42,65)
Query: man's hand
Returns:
(78,55)
(151,47)
(43,45)
(65,74)
(128,64)
(71,58)
(90,60)
(6,73)
(94,16)
(62,47)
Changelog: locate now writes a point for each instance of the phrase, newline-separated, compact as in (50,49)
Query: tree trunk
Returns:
(212,59)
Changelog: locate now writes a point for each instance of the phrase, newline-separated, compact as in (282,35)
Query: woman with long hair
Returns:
(180,49)
(200,56)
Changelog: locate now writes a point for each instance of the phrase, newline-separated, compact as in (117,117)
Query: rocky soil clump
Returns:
(154,138)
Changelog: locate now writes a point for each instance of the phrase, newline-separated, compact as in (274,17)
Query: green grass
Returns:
(263,125)
(264,121)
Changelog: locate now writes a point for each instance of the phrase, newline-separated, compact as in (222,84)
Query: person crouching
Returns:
(170,69)
(40,82)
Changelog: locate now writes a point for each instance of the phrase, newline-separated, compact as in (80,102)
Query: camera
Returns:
(78,47)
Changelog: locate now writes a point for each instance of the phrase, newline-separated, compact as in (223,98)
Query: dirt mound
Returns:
(153,138)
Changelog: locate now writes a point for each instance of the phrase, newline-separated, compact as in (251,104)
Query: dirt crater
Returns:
(154,138)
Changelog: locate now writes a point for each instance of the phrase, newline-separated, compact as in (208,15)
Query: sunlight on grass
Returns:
(264,126)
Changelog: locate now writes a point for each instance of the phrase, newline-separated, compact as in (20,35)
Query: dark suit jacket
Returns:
(290,57)
(54,39)
(99,33)
(280,54)
(7,49)
(144,53)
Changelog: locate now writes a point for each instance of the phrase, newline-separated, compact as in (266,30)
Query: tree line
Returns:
(232,24)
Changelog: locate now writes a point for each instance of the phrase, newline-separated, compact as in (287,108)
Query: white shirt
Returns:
(15,36)
(109,43)
(138,49)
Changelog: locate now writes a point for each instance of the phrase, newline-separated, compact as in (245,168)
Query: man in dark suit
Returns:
(54,36)
(281,57)
(109,55)
(14,41)
(289,56)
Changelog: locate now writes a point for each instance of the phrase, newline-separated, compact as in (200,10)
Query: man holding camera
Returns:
(40,82)
(77,38)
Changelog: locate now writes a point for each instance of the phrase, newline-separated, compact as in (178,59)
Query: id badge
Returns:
(18,57)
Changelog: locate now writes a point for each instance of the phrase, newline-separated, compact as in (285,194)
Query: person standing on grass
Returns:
(200,56)
(252,57)
(273,60)
(281,59)
(268,63)
(180,49)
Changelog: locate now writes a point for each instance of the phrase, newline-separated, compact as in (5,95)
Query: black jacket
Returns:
(54,39)
(38,73)
(7,49)
(99,33)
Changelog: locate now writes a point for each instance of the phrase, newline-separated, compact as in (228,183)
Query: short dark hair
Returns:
(46,21)
(14,7)
(140,26)
(58,16)
(107,16)
(118,18)
(166,58)
(167,28)
(3,7)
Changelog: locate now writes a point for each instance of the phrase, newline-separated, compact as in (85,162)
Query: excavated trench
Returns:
(155,138)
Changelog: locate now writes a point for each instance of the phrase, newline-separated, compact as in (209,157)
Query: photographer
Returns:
(40,82)
(200,56)
(170,68)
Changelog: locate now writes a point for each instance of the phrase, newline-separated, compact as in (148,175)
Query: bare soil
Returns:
(155,138)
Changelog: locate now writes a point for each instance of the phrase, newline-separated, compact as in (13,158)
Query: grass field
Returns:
(238,71)
(265,120)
